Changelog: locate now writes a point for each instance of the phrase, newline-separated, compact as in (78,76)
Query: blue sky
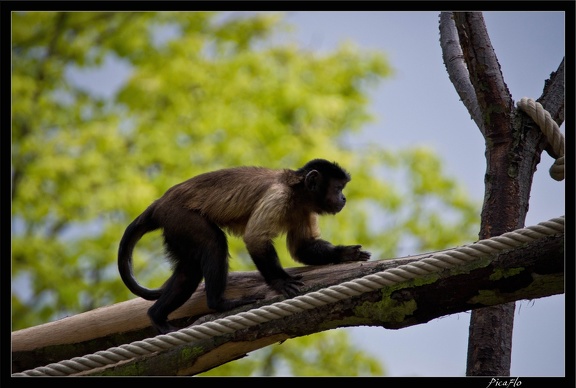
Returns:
(418,105)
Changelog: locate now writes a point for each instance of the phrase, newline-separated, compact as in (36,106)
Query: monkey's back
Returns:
(227,197)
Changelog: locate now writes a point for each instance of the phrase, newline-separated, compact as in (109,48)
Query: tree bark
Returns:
(533,270)
(456,67)
(513,148)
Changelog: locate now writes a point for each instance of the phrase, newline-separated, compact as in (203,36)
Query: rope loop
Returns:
(550,129)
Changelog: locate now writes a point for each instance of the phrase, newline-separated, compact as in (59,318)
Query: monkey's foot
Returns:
(164,327)
(289,287)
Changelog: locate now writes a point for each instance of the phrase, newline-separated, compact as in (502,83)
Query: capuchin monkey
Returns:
(254,203)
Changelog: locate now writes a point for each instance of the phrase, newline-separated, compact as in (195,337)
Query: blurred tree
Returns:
(204,91)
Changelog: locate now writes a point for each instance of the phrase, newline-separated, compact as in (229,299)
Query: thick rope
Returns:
(433,264)
(549,127)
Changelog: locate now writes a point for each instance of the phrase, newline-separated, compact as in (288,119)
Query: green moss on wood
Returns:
(390,309)
(539,286)
(387,310)
(503,273)
(466,268)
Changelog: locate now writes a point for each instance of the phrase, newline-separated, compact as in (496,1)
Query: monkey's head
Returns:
(325,181)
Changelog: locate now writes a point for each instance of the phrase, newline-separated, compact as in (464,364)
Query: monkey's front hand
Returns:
(352,253)
(289,287)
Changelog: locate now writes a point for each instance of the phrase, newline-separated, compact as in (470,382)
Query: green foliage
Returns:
(203,92)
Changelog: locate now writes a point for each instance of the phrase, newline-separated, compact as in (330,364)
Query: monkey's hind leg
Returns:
(214,259)
(181,247)
(176,291)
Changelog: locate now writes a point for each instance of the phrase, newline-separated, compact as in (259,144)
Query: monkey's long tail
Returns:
(134,232)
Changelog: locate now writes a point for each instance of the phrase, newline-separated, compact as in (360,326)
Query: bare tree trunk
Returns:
(513,148)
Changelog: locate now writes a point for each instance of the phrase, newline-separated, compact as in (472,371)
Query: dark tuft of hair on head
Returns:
(326,168)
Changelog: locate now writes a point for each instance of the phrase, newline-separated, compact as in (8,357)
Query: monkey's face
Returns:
(334,199)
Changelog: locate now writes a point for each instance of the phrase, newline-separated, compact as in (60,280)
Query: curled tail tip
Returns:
(133,233)
(148,294)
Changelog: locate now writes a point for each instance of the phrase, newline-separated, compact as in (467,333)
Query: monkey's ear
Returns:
(312,180)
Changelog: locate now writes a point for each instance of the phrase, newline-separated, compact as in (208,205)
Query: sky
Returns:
(418,105)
